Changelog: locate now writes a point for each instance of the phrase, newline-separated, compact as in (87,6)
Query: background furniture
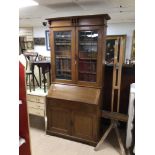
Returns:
(46,68)
(110,47)
(131,121)
(42,64)
(116,84)
(36,105)
(30,58)
(128,77)
(77,60)
(36,108)
(24,135)
(133,46)
(26,43)
(29,74)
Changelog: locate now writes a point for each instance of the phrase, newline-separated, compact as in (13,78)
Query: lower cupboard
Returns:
(74,120)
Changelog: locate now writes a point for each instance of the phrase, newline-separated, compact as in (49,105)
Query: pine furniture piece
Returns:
(36,104)
(36,108)
(73,103)
(24,134)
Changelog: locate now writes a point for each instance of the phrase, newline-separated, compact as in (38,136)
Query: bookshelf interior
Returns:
(88,41)
(63,54)
(78,50)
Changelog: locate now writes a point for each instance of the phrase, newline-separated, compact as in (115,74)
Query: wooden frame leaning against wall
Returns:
(110,46)
(133,46)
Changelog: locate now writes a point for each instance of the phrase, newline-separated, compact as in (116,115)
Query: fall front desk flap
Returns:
(74,93)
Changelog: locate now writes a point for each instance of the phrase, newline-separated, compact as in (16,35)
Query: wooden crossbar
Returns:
(114,116)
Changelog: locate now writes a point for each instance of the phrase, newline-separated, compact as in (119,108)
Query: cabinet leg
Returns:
(120,141)
(39,77)
(29,82)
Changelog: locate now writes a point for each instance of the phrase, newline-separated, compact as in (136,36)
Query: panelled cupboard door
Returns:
(63,54)
(83,125)
(59,120)
(89,52)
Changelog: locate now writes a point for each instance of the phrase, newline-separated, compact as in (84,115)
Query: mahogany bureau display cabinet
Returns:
(73,103)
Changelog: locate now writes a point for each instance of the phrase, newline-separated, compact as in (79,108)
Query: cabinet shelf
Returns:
(62,36)
(63,57)
(62,43)
(91,51)
(60,53)
(88,44)
(88,59)
(63,70)
(86,72)
(27,41)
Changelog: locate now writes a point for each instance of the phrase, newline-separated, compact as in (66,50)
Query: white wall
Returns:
(123,29)
(39,32)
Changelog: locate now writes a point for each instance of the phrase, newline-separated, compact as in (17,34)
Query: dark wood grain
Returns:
(88,20)
(114,116)
(71,117)
(128,77)
(74,93)
(58,119)
(74,25)
(73,107)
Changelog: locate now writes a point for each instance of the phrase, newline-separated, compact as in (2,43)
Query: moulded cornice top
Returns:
(106,16)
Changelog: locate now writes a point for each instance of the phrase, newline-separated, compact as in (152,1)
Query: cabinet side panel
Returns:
(104,52)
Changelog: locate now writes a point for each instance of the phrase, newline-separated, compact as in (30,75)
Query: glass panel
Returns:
(88,43)
(110,47)
(62,41)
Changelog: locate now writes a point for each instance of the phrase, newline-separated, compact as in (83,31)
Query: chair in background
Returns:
(29,74)
(30,58)
(44,68)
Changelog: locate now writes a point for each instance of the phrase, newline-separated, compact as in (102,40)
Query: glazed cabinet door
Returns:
(59,120)
(83,126)
(62,54)
(89,48)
